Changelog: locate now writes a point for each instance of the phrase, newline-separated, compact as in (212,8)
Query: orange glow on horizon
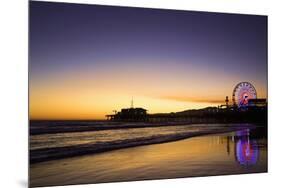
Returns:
(86,95)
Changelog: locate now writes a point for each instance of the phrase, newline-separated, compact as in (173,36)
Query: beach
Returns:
(46,147)
(204,150)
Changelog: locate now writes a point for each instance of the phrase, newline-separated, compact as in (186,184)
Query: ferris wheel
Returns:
(242,93)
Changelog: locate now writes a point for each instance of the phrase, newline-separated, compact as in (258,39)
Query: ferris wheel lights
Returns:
(242,92)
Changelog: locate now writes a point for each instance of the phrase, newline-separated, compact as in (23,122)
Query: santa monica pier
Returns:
(243,107)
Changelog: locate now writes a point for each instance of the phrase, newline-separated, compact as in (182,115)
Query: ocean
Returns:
(147,153)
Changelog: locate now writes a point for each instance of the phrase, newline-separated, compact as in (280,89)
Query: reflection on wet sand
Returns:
(246,149)
(229,153)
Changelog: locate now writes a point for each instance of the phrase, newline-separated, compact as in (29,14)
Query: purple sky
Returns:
(217,50)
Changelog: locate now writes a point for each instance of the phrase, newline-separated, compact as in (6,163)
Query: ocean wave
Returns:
(46,154)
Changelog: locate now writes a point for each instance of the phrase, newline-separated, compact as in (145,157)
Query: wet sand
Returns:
(198,156)
(62,145)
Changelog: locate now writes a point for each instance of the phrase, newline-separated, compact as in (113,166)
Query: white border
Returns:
(13,95)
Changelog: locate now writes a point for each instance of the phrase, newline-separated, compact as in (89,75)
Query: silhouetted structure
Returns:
(246,108)
(226,101)
(257,103)
(256,112)
(129,114)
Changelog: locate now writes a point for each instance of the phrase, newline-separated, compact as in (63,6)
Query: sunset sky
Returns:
(86,61)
